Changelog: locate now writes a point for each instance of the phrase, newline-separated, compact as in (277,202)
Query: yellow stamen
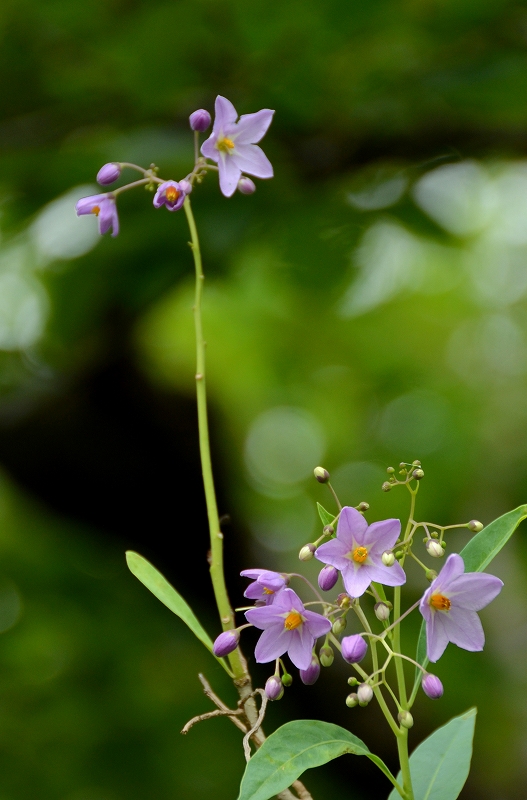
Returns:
(440,602)
(172,194)
(95,210)
(360,554)
(268,591)
(225,144)
(292,621)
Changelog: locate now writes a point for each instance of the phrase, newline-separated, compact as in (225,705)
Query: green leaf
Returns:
(160,587)
(295,747)
(440,765)
(477,555)
(324,515)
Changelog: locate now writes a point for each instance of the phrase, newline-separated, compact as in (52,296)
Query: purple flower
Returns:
(449,607)
(310,675)
(246,185)
(108,174)
(357,552)
(199,120)
(104,208)
(274,688)
(171,194)
(327,578)
(432,686)
(225,643)
(287,627)
(266,584)
(354,648)
(233,144)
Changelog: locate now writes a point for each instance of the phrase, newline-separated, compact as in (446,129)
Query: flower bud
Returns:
(475,526)
(108,174)
(434,549)
(199,120)
(418,474)
(321,474)
(225,643)
(352,681)
(327,578)
(364,694)
(339,626)
(287,679)
(388,558)
(390,470)
(273,688)
(246,185)
(327,530)
(432,686)
(430,575)
(386,486)
(343,600)
(406,719)
(352,700)
(416,463)
(354,648)
(306,552)
(363,506)
(186,186)
(310,675)
(326,655)
(382,611)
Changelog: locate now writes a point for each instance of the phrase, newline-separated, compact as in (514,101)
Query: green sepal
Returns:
(325,516)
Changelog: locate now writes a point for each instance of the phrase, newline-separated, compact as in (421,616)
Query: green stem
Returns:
(404,761)
(236,660)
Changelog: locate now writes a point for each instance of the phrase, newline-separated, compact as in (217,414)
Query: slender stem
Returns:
(404,761)
(337,501)
(216,536)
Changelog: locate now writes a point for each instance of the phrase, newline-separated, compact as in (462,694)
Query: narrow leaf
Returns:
(439,766)
(324,515)
(295,747)
(477,555)
(160,587)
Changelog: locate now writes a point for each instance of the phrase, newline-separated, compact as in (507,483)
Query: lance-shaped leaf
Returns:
(161,588)
(477,555)
(295,747)
(324,515)
(439,766)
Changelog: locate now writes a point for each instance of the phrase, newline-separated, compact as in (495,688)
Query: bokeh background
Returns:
(365,307)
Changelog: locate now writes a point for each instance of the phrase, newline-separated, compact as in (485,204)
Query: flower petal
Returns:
(317,624)
(209,149)
(253,574)
(474,591)
(454,567)
(253,127)
(436,637)
(300,649)
(351,526)
(230,174)
(334,553)
(264,616)
(86,204)
(464,628)
(226,114)
(381,536)
(388,576)
(251,159)
(356,581)
(255,592)
(273,643)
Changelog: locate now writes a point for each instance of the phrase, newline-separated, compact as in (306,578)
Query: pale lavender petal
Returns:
(255,592)
(424,605)
(209,149)
(474,591)
(301,647)
(389,576)
(454,567)
(273,643)
(381,536)
(351,526)
(317,624)
(253,127)
(251,159)
(356,581)
(115,221)
(253,574)
(263,616)
(230,174)
(271,580)
(159,198)
(225,114)
(86,204)
(334,553)
(290,598)
(464,628)
(436,637)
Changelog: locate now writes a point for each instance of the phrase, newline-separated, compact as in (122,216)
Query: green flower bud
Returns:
(388,558)
(326,655)
(434,549)
(430,575)
(339,626)
(382,611)
(352,700)
(386,486)
(321,474)
(352,681)
(390,470)
(416,463)
(328,530)
(343,600)
(287,679)
(406,719)
(306,552)
(475,526)
(418,474)
(363,506)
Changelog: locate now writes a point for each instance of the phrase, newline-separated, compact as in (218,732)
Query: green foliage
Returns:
(295,747)
(439,766)
(324,515)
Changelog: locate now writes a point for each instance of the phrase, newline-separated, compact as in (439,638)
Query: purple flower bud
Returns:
(226,643)
(327,578)
(310,675)
(246,185)
(200,120)
(186,186)
(354,648)
(432,686)
(273,688)
(108,174)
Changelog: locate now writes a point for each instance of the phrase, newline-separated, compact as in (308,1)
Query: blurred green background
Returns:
(366,306)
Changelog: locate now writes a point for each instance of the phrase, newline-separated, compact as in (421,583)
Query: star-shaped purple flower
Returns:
(233,144)
(357,552)
(287,627)
(171,194)
(450,604)
(266,585)
(104,208)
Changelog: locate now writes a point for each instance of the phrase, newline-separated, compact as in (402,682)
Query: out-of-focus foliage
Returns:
(367,306)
